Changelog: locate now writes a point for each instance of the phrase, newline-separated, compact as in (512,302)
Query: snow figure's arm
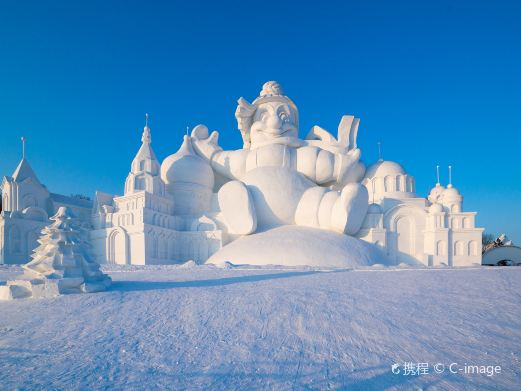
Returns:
(231,164)
(325,167)
(330,161)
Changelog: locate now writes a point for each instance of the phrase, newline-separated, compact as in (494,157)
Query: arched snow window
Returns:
(400,183)
(458,248)
(441,247)
(473,247)
(455,223)
(373,189)
(410,185)
(142,165)
(117,248)
(389,183)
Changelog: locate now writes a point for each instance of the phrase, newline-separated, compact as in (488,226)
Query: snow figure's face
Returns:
(271,121)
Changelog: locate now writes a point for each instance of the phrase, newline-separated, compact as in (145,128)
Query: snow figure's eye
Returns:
(284,117)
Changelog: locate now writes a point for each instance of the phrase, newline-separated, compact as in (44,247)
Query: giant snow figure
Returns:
(278,179)
(281,199)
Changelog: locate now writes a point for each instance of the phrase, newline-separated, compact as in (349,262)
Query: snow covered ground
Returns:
(202,327)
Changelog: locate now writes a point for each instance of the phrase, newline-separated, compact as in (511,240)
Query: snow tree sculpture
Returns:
(62,263)
(64,254)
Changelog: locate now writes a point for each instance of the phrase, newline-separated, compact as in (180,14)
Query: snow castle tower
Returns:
(154,223)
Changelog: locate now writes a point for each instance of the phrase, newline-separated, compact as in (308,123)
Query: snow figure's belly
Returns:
(276,192)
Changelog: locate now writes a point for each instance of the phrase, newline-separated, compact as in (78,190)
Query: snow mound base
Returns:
(299,246)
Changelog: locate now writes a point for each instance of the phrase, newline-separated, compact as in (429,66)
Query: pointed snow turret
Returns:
(22,189)
(24,171)
(144,171)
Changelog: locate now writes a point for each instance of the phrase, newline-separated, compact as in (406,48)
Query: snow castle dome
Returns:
(452,199)
(436,193)
(383,168)
(451,193)
(388,179)
(185,166)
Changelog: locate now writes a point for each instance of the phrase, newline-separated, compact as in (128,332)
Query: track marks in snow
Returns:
(265,329)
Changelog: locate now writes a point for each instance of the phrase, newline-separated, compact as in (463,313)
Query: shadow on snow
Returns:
(127,286)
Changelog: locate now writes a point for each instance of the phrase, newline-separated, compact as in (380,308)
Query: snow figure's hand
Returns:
(204,145)
(346,162)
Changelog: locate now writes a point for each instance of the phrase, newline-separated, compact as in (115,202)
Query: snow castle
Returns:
(278,200)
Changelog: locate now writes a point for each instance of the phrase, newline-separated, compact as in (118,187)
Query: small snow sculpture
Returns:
(61,263)
(501,240)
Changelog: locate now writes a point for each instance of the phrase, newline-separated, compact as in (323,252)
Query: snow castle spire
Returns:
(146,137)
(24,171)
(23,146)
(144,171)
(436,194)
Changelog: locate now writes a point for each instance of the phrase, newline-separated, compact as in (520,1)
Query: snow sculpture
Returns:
(150,226)
(296,196)
(61,263)
(278,179)
(26,207)
(191,180)
(414,230)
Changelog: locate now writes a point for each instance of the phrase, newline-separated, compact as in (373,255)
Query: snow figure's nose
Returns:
(274,121)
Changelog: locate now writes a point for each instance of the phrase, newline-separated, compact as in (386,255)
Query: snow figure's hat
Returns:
(272,92)
(62,263)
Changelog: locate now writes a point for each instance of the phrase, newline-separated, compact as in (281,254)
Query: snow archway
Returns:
(118,247)
(405,233)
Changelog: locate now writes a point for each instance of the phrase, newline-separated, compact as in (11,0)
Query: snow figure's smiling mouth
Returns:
(277,132)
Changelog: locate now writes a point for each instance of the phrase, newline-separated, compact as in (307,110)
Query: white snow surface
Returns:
(171,327)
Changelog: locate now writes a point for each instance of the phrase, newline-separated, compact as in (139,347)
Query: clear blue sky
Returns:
(435,81)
